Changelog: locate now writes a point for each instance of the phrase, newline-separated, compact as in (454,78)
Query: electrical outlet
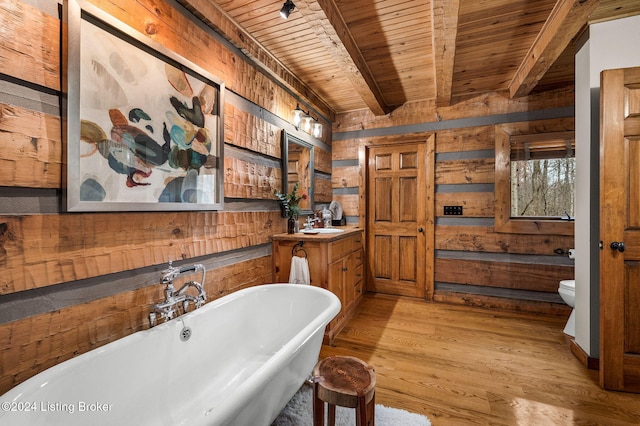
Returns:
(453,210)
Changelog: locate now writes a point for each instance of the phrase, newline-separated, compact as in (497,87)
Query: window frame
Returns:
(503,221)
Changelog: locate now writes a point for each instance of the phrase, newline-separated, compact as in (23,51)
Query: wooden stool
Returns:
(345,381)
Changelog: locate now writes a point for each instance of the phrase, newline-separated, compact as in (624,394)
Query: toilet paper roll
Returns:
(572,253)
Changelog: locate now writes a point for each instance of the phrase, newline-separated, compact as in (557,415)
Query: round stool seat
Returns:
(344,381)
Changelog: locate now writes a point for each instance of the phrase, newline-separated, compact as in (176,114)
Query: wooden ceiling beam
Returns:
(444,19)
(216,18)
(567,18)
(327,22)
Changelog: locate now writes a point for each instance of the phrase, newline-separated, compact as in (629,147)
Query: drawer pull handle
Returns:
(345,269)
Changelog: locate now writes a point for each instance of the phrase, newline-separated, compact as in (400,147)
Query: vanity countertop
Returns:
(349,230)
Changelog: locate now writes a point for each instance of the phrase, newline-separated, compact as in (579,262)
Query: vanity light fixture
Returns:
(296,116)
(305,124)
(316,129)
(287,8)
(302,120)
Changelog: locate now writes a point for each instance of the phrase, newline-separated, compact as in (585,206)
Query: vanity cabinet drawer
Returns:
(356,292)
(341,248)
(358,273)
(358,257)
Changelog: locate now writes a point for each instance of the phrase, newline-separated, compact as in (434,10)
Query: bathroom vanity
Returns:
(335,263)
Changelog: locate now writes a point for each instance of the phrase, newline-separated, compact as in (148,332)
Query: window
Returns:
(542,175)
(535,177)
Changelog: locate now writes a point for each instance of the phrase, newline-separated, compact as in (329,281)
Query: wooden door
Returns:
(396,219)
(620,230)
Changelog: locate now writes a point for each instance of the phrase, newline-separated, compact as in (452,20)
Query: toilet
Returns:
(567,291)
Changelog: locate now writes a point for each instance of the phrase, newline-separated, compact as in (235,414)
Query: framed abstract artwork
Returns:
(143,126)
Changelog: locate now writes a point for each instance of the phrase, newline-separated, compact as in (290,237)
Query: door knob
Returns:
(617,245)
(420,229)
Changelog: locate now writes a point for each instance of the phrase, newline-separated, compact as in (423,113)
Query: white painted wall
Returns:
(607,45)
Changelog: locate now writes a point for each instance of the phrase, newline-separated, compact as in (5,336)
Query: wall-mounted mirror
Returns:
(297,166)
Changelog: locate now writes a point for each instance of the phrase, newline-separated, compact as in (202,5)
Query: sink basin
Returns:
(322,231)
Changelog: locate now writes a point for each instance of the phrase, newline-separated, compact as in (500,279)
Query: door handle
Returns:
(617,245)
(420,229)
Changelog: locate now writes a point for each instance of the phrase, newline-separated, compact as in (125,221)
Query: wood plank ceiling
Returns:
(346,55)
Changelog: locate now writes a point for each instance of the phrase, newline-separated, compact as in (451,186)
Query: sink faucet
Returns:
(311,220)
(168,308)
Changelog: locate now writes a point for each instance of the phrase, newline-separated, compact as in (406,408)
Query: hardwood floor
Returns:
(466,366)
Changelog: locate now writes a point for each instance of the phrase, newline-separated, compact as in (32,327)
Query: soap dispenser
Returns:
(326,217)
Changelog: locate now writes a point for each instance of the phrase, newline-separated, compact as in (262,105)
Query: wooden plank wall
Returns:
(474,264)
(73,282)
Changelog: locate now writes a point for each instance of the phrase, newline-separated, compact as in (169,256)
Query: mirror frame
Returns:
(287,139)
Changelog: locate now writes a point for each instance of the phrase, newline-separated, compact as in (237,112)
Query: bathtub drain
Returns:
(185,334)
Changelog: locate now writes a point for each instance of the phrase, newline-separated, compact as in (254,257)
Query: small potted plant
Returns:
(290,205)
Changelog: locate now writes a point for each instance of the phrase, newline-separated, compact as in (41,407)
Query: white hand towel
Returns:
(299,271)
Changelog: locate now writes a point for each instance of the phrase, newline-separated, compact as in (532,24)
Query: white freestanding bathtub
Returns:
(247,355)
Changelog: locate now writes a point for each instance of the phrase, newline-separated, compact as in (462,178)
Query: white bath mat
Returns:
(299,412)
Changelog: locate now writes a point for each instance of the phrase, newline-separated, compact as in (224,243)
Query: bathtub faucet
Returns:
(198,300)
(169,307)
